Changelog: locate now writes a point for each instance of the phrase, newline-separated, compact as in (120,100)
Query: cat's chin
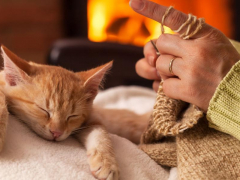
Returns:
(52,138)
(59,139)
(46,137)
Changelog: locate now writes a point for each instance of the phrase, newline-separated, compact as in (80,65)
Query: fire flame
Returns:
(114,20)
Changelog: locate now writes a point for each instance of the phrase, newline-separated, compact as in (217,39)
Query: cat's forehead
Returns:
(58,83)
(56,74)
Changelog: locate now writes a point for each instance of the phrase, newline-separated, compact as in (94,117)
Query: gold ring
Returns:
(170,65)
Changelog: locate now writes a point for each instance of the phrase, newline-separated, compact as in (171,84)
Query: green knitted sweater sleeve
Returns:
(224,109)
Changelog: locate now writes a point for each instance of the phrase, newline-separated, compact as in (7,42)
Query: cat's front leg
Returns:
(100,154)
(3,119)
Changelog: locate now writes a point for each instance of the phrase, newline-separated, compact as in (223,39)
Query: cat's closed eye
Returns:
(72,117)
(45,111)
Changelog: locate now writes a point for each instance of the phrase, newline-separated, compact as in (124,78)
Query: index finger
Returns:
(155,11)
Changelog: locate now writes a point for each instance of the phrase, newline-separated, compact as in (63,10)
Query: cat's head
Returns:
(51,100)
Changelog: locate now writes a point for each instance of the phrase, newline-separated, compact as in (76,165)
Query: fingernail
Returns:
(151,60)
(136,4)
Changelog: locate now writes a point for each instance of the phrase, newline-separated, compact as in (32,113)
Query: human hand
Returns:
(146,67)
(200,64)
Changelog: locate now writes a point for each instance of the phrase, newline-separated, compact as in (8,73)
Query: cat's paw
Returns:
(103,165)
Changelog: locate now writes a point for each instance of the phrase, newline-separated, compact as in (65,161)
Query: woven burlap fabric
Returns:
(169,118)
(198,151)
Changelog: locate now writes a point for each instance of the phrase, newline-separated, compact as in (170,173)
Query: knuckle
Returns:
(147,48)
(161,40)
(175,17)
(215,34)
(159,64)
(144,71)
(150,73)
(154,11)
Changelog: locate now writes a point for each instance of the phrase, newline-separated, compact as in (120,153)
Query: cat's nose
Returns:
(56,134)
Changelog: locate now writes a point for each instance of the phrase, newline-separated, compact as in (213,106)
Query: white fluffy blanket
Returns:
(26,156)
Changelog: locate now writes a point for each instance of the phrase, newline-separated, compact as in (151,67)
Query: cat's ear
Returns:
(93,78)
(16,70)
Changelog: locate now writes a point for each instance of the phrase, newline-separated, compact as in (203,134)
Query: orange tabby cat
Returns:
(56,103)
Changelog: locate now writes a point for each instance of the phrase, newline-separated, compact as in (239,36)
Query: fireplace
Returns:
(114,15)
(115,38)
(115,21)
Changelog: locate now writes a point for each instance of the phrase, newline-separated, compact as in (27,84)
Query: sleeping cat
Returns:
(56,103)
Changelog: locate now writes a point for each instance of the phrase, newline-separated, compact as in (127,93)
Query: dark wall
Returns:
(82,54)
(236,19)
(75,18)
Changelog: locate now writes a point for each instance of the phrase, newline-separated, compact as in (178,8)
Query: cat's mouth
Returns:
(60,138)
(57,139)
(52,138)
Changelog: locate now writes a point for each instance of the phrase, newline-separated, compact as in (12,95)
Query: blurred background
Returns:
(31,28)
